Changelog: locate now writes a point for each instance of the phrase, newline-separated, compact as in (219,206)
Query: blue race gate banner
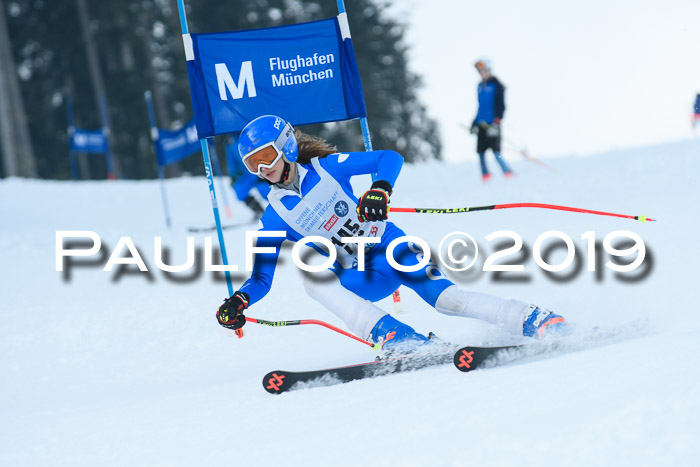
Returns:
(93,142)
(172,146)
(305,73)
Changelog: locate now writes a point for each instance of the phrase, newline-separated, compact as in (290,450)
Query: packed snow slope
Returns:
(101,368)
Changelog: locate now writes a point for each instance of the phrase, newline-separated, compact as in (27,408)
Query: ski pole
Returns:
(516,148)
(517,205)
(524,153)
(307,321)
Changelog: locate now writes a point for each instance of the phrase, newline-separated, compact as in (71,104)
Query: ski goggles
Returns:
(481,65)
(268,154)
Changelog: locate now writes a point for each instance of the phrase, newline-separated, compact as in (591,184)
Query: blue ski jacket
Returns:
(491,95)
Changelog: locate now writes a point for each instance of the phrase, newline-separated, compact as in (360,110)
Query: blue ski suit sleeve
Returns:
(386,164)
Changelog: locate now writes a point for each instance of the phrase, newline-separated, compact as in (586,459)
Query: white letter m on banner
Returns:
(225,81)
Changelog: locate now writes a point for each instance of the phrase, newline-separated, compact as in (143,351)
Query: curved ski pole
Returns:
(527,156)
(310,321)
(517,205)
(523,152)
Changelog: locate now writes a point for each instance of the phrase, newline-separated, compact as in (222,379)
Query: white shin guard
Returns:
(358,314)
(507,314)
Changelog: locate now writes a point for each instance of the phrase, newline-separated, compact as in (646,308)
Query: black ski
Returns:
(277,382)
(472,357)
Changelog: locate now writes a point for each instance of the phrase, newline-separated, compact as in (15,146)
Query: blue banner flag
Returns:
(305,73)
(93,142)
(172,146)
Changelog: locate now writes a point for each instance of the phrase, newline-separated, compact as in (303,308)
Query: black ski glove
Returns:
(374,204)
(230,314)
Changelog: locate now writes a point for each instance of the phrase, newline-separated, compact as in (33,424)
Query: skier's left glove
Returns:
(230,314)
(374,204)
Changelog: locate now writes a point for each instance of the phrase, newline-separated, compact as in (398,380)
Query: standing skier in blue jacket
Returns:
(487,123)
(311,195)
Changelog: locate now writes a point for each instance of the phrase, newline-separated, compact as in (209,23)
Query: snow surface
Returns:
(122,370)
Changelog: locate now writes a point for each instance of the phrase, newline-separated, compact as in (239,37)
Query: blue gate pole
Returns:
(363,121)
(154,137)
(220,175)
(207,167)
(368,147)
(105,131)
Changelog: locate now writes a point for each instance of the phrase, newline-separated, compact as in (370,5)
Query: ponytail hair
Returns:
(312,146)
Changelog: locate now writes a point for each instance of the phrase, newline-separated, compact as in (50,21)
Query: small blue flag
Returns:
(93,142)
(174,145)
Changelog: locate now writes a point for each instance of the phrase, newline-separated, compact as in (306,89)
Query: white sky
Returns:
(580,77)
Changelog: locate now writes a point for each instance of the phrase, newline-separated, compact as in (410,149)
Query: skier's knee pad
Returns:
(508,314)
(318,285)
(358,314)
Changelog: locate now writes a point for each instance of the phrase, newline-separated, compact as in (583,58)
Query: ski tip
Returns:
(464,359)
(275,382)
(472,357)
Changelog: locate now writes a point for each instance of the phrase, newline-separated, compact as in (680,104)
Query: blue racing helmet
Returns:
(265,140)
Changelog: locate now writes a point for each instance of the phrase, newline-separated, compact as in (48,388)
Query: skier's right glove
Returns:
(230,314)
(374,204)
(474,129)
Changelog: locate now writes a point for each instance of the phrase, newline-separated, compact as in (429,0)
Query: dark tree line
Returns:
(139,48)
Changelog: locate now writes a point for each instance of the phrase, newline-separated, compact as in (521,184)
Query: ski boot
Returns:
(540,324)
(396,336)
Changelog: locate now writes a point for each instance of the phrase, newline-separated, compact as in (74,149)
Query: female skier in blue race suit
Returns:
(311,195)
